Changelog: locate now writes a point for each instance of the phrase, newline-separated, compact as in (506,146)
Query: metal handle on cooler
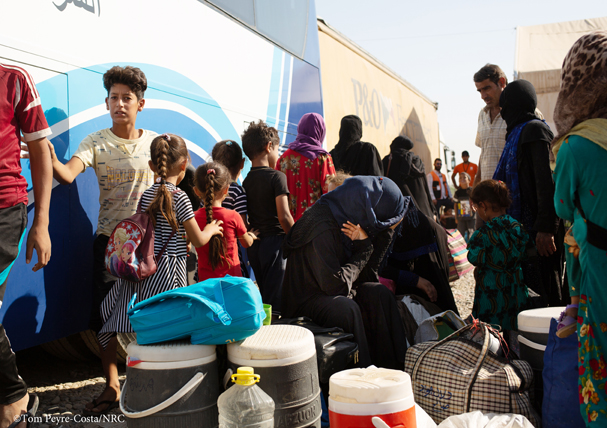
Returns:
(193,383)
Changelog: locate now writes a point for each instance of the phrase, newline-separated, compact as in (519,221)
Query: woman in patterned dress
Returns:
(580,149)
(306,164)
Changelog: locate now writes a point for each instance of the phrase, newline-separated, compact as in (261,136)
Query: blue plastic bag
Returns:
(560,408)
(212,312)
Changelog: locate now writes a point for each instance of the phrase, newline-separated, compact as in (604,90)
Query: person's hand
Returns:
(38,239)
(214,227)
(544,243)
(427,287)
(254,233)
(355,233)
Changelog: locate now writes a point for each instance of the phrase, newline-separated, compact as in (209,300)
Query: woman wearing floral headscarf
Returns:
(581,196)
(306,164)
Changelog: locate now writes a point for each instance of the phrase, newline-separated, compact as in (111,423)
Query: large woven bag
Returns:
(457,375)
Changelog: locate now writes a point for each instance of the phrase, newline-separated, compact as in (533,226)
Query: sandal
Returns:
(567,324)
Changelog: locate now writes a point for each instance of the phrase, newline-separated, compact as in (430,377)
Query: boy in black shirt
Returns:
(463,212)
(268,206)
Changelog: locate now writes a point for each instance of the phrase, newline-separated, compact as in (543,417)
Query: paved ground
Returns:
(64,387)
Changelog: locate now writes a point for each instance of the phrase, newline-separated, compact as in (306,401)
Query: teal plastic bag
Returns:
(212,312)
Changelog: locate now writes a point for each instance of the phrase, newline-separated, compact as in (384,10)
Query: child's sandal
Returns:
(567,324)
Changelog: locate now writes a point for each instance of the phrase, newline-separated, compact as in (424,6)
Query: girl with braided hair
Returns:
(171,212)
(220,257)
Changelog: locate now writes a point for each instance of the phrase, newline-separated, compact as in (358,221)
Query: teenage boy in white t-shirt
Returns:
(120,156)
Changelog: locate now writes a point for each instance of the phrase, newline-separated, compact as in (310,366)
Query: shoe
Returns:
(32,408)
(567,324)
(110,406)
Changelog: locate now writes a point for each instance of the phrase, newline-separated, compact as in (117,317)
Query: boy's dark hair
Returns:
(490,71)
(492,192)
(256,138)
(465,153)
(438,159)
(229,154)
(211,178)
(129,76)
(166,151)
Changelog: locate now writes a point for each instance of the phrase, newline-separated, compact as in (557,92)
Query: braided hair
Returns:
(167,151)
(212,179)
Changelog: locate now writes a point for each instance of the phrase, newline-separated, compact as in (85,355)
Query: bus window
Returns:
(284,22)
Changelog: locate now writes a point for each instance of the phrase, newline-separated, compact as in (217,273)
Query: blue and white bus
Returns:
(212,67)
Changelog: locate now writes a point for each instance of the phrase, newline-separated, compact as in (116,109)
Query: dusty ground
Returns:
(64,387)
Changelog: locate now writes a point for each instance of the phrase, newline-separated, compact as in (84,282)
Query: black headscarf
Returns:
(400,160)
(350,132)
(518,102)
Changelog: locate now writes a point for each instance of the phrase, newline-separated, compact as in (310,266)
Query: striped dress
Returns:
(171,272)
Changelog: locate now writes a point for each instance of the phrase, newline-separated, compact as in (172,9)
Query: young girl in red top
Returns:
(220,257)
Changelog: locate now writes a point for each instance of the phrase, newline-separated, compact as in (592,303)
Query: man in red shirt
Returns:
(20,113)
(467,167)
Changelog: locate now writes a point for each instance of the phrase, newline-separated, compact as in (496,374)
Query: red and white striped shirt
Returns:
(20,112)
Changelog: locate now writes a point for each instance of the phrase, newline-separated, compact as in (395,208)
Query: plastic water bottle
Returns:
(245,404)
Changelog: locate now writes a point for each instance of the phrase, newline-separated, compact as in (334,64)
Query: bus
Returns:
(212,68)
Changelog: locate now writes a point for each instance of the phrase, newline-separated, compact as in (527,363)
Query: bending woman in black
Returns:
(331,274)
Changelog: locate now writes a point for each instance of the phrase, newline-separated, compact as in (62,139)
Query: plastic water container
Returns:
(245,404)
(170,385)
(285,358)
(357,396)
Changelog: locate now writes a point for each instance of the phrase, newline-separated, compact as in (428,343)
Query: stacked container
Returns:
(285,358)
(170,385)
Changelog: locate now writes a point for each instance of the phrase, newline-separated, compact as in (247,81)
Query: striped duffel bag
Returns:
(458,375)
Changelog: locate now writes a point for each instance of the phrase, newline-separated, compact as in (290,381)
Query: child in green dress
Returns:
(496,249)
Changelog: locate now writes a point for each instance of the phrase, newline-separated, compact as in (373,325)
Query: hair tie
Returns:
(166,137)
(228,143)
(209,171)
(160,180)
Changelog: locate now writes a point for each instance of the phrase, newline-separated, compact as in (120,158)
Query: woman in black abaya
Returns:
(334,252)
(407,170)
(353,156)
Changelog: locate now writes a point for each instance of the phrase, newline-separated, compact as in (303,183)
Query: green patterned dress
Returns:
(496,249)
(580,168)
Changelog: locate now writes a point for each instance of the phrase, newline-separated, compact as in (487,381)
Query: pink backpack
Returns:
(130,251)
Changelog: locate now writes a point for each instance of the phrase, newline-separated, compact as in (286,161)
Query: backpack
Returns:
(130,250)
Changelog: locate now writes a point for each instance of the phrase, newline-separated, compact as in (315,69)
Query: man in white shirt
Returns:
(437,183)
(490,81)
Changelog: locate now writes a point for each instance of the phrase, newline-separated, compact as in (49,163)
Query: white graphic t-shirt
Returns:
(123,173)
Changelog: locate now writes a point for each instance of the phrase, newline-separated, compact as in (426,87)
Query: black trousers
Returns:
(102,281)
(265,257)
(372,317)
(13,222)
